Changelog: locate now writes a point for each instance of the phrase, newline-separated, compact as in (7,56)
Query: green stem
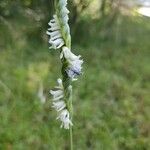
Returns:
(68,96)
(71,139)
(65,31)
(71,116)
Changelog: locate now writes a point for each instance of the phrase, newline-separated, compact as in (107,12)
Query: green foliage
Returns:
(111,103)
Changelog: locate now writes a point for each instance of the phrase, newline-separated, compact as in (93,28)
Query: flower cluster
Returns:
(74,63)
(54,32)
(60,105)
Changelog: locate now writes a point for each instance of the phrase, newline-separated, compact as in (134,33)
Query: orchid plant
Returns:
(60,39)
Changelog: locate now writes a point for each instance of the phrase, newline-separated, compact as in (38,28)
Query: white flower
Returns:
(65,118)
(57,94)
(74,61)
(54,32)
(60,106)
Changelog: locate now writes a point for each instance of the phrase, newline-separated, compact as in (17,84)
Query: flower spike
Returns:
(60,38)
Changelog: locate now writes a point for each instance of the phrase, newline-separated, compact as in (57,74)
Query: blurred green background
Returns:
(111,100)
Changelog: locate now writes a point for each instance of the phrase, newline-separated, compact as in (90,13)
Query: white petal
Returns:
(58,43)
(65,118)
(56,37)
(54,33)
(58,98)
(56,93)
(60,105)
(53,28)
(59,81)
(69,55)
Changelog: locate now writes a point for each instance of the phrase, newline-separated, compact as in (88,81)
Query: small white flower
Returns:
(54,32)
(60,106)
(59,81)
(74,61)
(58,92)
(60,85)
(57,95)
(65,118)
